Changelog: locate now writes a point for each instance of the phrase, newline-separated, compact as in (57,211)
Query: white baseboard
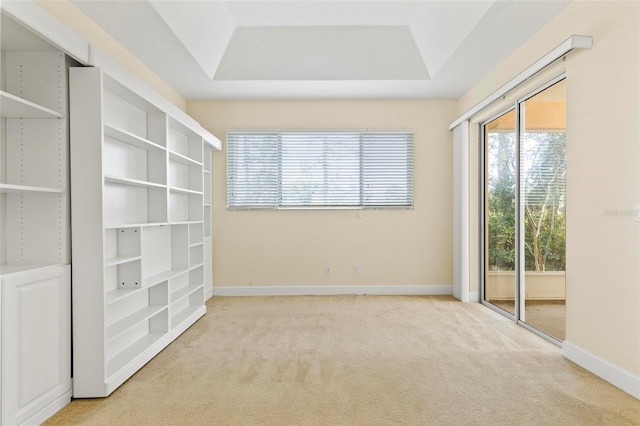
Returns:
(474,296)
(379,290)
(618,377)
(49,410)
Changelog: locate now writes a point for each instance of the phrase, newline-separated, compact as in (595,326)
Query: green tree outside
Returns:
(543,168)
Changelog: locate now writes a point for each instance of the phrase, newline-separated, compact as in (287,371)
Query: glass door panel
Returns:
(542,209)
(500,151)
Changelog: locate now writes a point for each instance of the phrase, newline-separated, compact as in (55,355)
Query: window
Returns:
(339,169)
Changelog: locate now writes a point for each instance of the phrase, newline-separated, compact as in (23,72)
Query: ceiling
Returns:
(321,49)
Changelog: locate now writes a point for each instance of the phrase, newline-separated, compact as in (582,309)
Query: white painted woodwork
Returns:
(208,245)
(44,32)
(461,212)
(36,343)
(34,212)
(139,262)
(35,295)
(208,271)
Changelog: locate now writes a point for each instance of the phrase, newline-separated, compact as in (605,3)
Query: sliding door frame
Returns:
(519,316)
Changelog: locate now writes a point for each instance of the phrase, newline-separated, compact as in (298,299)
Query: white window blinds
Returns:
(297,169)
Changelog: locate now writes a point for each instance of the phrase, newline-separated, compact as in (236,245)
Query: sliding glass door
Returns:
(500,141)
(524,210)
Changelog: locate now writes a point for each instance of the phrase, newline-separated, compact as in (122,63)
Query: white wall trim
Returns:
(49,410)
(379,290)
(573,42)
(474,297)
(618,377)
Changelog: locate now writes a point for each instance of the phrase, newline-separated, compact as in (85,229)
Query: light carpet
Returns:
(357,360)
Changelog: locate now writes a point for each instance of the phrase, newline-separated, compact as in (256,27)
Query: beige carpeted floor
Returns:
(357,360)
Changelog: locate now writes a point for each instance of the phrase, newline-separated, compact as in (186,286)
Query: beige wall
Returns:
(603,172)
(393,247)
(79,22)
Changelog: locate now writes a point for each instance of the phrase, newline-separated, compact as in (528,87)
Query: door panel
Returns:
(543,195)
(500,211)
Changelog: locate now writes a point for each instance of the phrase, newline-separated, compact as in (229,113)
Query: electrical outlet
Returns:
(357,268)
(327,270)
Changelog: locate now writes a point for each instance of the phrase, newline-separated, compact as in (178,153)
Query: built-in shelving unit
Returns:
(139,203)
(35,373)
(34,212)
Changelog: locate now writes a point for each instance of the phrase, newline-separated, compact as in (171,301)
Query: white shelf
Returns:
(119,361)
(185,222)
(119,294)
(12,106)
(163,276)
(119,327)
(132,182)
(6,188)
(184,292)
(120,260)
(183,315)
(184,160)
(199,243)
(134,225)
(195,265)
(184,191)
(131,139)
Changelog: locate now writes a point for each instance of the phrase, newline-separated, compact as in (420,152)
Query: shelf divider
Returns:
(7,188)
(184,292)
(132,182)
(163,276)
(131,139)
(122,325)
(12,106)
(183,159)
(120,260)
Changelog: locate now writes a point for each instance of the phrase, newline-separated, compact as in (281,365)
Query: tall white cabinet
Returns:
(140,213)
(35,329)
